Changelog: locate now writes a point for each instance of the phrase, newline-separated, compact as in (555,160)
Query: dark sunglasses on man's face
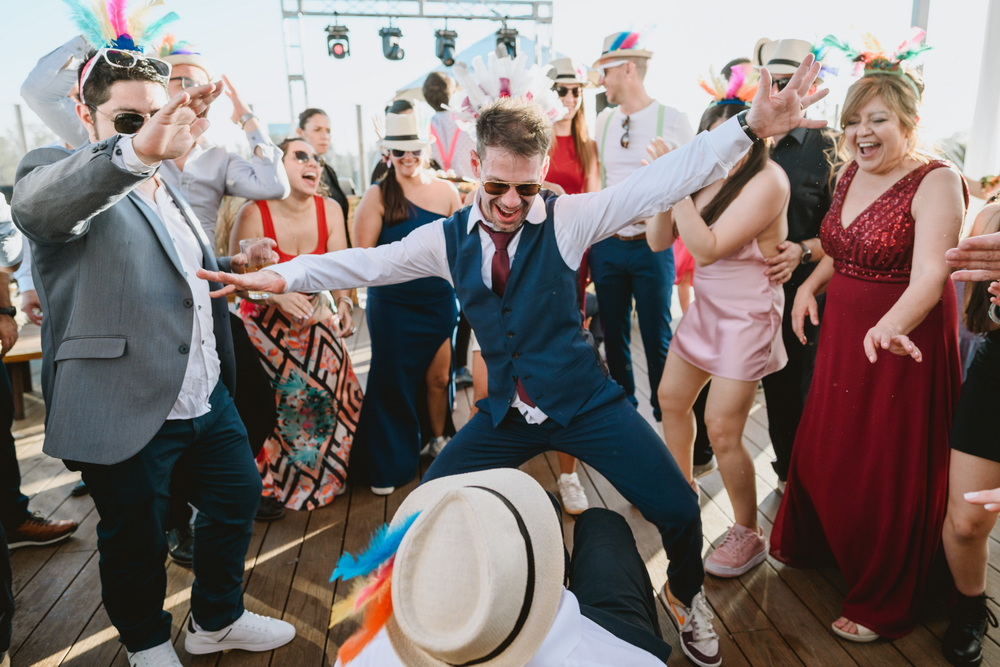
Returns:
(126,122)
(562,90)
(780,83)
(501,187)
(303,157)
(398,153)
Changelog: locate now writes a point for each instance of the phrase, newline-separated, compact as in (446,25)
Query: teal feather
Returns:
(911,53)
(847,49)
(153,30)
(385,542)
(87,23)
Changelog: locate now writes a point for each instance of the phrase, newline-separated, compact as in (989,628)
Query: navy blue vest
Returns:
(533,332)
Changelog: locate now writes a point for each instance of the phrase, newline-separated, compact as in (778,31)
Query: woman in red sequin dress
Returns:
(868,479)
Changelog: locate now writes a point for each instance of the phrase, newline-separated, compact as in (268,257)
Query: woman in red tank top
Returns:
(300,341)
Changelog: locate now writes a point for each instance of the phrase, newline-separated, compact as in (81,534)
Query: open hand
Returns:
(657,148)
(805,305)
(172,131)
(240,108)
(976,257)
(885,337)
(258,281)
(777,114)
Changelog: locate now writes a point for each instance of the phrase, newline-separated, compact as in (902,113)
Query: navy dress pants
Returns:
(617,442)
(621,270)
(13,503)
(211,456)
(6,594)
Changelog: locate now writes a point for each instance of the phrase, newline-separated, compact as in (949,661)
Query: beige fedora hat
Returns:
(780,56)
(477,578)
(193,59)
(626,44)
(567,70)
(401,133)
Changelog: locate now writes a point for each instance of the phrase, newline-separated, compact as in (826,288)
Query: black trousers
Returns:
(6,594)
(610,581)
(13,503)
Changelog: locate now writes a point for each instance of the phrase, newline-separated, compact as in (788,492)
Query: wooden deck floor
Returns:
(773,615)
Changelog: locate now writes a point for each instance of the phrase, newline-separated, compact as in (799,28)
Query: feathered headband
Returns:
(105,24)
(497,78)
(874,60)
(171,47)
(739,89)
(373,594)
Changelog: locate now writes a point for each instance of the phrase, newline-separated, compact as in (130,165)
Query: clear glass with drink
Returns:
(258,254)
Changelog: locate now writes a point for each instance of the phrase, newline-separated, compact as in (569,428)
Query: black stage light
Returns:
(507,39)
(445,46)
(390,43)
(338,44)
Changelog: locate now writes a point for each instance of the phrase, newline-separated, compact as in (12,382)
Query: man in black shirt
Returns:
(805,155)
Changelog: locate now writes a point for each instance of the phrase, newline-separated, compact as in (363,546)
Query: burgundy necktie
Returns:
(500,272)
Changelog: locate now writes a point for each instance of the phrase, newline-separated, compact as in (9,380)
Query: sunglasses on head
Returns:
(625,125)
(501,187)
(399,153)
(303,157)
(123,59)
(127,122)
(562,90)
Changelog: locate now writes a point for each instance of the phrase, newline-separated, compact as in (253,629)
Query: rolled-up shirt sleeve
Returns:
(47,87)
(263,176)
(420,254)
(11,241)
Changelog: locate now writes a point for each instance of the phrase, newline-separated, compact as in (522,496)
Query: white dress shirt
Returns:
(618,162)
(573,641)
(203,365)
(579,221)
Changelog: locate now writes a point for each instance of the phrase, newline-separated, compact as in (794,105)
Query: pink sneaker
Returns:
(741,550)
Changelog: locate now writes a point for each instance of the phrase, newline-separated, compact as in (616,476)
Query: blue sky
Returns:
(243,39)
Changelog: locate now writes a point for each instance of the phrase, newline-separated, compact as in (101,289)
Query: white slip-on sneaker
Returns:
(699,641)
(158,656)
(250,632)
(574,498)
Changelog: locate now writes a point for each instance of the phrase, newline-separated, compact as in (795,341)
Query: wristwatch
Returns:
(807,253)
(10,311)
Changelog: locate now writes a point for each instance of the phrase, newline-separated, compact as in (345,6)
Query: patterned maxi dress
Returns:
(304,461)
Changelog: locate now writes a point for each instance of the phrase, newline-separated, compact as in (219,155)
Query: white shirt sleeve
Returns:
(420,254)
(582,220)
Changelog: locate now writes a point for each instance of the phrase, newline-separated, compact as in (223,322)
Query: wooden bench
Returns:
(28,347)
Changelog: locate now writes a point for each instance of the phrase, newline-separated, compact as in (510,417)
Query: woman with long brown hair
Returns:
(731,334)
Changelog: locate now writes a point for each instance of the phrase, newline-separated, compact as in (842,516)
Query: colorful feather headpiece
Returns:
(874,60)
(171,47)
(371,595)
(501,77)
(107,24)
(740,88)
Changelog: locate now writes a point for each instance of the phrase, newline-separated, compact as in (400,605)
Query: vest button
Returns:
(184,349)
(188,303)
(511,334)
(505,311)
(515,355)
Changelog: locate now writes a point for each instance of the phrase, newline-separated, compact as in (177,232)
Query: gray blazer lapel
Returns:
(160,229)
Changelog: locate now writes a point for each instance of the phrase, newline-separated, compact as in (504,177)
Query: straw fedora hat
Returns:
(401,133)
(477,578)
(780,56)
(567,70)
(193,59)
(622,45)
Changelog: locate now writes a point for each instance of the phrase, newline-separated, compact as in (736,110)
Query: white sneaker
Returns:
(383,490)
(158,656)
(250,632)
(434,447)
(702,469)
(574,498)
(694,625)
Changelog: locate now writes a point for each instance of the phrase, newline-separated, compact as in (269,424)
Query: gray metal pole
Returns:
(982,156)
(20,128)
(921,10)
(362,162)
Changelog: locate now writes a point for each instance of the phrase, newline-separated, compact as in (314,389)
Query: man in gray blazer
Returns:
(138,365)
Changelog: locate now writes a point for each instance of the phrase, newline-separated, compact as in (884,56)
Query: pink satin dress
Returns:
(733,328)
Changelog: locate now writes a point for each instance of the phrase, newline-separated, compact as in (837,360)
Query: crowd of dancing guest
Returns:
(773,220)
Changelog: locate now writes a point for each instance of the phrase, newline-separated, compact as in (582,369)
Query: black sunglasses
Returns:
(126,122)
(501,187)
(562,90)
(780,83)
(302,157)
(625,126)
(398,153)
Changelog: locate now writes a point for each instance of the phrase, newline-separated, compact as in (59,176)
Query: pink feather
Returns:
(116,13)
(375,584)
(913,42)
(736,79)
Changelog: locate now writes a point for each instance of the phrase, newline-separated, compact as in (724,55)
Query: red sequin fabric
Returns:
(878,244)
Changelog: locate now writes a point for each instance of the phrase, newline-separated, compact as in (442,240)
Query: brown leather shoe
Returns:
(38,531)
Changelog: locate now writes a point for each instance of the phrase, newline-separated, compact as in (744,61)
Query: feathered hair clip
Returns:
(171,47)
(501,77)
(106,24)
(740,88)
(373,594)
(874,60)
